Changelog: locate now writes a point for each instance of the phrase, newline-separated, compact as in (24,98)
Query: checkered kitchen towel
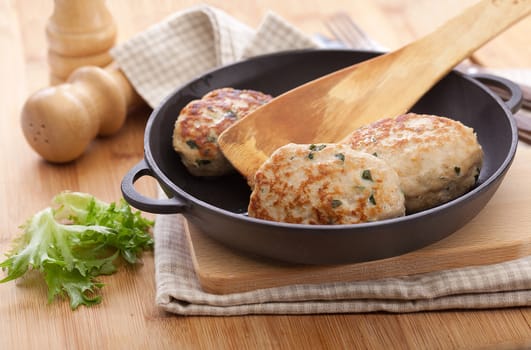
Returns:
(179,291)
(188,44)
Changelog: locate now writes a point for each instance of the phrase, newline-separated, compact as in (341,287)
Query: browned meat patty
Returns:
(202,121)
(437,159)
(325,184)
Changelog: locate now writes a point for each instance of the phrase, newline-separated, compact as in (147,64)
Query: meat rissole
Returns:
(201,122)
(325,184)
(435,160)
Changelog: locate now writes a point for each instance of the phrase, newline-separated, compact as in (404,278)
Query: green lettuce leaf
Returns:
(75,242)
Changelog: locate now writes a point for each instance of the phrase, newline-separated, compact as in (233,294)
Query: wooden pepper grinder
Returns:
(93,96)
(79,33)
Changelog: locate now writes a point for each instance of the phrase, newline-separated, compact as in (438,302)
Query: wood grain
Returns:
(128,316)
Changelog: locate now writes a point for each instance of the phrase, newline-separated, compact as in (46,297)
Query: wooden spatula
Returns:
(329,108)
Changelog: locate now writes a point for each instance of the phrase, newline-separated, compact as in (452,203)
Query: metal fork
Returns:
(347,32)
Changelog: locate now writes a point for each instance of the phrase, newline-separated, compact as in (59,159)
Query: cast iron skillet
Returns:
(217,206)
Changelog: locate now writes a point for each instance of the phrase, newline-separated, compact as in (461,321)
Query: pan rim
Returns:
(192,200)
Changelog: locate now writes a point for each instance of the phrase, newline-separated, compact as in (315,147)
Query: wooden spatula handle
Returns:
(434,55)
(60,121)
(329,108)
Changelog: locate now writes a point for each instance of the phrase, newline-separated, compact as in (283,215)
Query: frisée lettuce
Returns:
(76,241)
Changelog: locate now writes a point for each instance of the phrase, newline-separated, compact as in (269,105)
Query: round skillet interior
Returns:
(456,96)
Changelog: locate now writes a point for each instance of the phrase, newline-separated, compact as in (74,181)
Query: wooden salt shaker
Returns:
(60,121)
(79,33)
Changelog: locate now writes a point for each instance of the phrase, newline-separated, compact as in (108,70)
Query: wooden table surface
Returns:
(128,316)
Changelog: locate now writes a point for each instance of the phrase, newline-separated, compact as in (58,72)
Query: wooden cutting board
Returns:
(501,232)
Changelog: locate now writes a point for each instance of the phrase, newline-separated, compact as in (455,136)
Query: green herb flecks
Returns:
(202,162)
(340,156)
(211,139)
(335,203)
(366,175)
(314,148)
(317,148)
(457,170)
(192,144)
(230,114)
(372,199)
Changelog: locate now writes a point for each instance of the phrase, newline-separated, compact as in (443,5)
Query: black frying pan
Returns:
(217,206)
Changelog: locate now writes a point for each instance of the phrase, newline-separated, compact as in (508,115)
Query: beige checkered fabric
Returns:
(192,42)
(178,289)
(189,43)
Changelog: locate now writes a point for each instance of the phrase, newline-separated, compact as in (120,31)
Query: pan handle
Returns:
(158,206)
(509,91)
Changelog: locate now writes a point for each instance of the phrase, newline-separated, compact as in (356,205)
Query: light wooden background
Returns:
(128,316)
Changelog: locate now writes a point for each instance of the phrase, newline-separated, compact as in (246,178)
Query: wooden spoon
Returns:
(329,108)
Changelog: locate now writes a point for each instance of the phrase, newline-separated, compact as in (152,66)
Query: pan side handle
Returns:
(508,91)
(151,205)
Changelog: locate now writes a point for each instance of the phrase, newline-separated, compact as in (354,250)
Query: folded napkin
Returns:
(191,42)
(179,291)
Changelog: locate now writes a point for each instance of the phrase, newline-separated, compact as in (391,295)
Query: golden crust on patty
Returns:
(201,122)
(436,158)
(325,184)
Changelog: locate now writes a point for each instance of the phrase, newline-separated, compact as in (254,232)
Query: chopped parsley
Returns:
(457,170)
(317,147)
(201,162)
(229,114)
(314,148)
(335,203)
(340,156)
(192,144)
(366,175)
(372,199)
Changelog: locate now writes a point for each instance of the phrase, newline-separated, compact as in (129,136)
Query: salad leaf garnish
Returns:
(76,241)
